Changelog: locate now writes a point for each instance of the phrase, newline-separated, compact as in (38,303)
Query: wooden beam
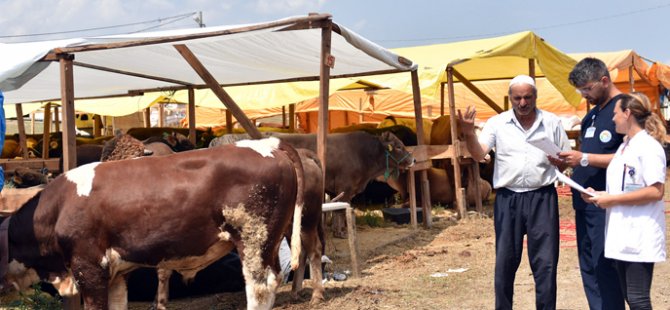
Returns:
(67,102)
(472,88)
(229,122)
(22,130)
(140,75)
(531,67)
(161,115)
(218,91)
(327,61)
(191,116)
(455,162)
(46,132)
(441,98)
(425,189)
(150,41)
(291,117)
(147,117)
(97,125)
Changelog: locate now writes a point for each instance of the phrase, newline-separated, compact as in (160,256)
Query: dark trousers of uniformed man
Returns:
(535,214)
(599,277)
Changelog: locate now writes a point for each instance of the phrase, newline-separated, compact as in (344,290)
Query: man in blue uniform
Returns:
(599,142)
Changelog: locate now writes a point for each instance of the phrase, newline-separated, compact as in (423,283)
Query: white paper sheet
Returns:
(546,146)
(565,179)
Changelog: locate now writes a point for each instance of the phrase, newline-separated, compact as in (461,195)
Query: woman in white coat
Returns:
(635,227)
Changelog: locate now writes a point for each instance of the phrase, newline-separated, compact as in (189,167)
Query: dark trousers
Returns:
(601,284)
(635,279)
(534,214)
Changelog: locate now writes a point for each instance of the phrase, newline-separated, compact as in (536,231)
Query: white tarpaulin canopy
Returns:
(283,50)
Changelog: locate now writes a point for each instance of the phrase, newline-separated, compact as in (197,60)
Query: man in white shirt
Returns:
(526,201)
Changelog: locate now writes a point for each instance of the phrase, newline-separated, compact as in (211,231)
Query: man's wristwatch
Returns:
(585,160)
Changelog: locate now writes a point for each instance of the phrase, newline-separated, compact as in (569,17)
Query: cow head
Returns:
(397,156)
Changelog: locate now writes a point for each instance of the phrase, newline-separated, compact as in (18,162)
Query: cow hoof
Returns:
(316,300)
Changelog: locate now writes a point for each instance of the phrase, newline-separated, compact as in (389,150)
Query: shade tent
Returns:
(304,48)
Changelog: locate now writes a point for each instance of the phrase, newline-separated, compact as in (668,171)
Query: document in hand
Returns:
(546,146)
(565,179)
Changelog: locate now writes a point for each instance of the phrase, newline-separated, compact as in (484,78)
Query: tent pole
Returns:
(218,91)
(46,131)
(327,61)
(631,78)
(67,101)
(291,117)
(191,115)
(229,122)
(442,99)
(283,116)
(456,143)
(147,117)
(22,130)
(425,188)
(161,115)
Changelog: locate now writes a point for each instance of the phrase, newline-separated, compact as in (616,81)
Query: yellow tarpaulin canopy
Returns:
(487,59)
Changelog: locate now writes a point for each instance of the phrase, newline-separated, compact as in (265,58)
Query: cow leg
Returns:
(313,248)
(260,284)
(118,293)
(163,290)
(299,274)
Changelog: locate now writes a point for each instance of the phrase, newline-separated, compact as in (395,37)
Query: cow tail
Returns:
(296,244)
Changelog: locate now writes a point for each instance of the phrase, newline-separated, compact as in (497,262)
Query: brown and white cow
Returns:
(353,159)
(92,225)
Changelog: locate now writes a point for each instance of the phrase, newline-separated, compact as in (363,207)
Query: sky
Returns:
(571,26)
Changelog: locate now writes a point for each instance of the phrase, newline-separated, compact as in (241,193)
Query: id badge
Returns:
(631,187)
(590,132)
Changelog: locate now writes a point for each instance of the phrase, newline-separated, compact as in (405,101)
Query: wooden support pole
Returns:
(425,188)
(56,120)
(327,61)
(291,117)
(456,160)
(161,115)
(531,67)
(22,130)
(218,91)
(46,132)
(147,117)
(191,116)
(229,122)
(441,98)
(631,78)
(67,102)
(283,116)
(97,125)
(472,88)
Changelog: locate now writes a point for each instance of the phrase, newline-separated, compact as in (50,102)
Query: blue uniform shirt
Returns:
(605,140)
(2,136)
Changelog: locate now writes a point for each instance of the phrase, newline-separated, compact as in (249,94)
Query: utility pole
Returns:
(198,19)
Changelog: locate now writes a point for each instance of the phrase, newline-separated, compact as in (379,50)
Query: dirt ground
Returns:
(449,266)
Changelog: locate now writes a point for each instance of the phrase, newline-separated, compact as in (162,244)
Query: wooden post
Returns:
(531,67)
(425,188)
(218,91)
(456,160)
(291,117)
(22,130)
(441,98)
(161,115)
(283,116)
(56,121)
(46,132)
(67,101)
(631,78)
(229,122)
(327,61)
(32,123)
(147,117)
(97,125)
(191,116)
